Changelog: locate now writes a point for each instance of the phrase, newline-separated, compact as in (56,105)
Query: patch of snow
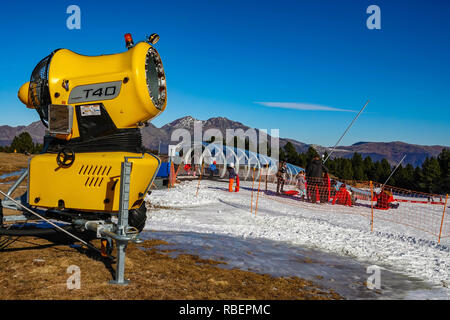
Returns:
(335,229)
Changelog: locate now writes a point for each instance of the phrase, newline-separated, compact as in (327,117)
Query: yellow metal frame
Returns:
(92,183)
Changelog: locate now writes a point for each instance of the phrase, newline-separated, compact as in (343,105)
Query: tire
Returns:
(138,217)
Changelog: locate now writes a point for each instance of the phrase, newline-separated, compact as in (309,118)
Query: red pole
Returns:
(178,170)
(442,222)
(371,202)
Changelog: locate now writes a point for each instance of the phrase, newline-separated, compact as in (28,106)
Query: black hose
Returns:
(31,232)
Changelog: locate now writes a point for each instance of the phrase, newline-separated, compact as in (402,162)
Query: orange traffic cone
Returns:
(230,185)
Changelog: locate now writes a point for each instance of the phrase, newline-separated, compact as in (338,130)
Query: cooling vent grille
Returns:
(95,174)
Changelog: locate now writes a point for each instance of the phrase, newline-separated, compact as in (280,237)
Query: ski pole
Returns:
(392,173)
(259,187)
(267,173)
(253,186)
(200,179)
(348,128)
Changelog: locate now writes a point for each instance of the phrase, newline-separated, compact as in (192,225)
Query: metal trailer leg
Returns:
(122,225)
(18,182)
(120,266)
(7,203)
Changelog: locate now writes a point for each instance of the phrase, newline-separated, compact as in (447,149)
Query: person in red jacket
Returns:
(384,200)
(343,196)
(188,168)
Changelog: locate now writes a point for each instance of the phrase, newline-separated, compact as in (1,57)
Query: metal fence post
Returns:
(253,186)
(257,196)
(122,224)
(200,179)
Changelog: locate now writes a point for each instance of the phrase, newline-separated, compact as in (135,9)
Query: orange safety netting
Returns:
(421,211)
(418,210)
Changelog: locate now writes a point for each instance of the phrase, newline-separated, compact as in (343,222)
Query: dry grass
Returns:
(33,268)
(19,191)
(11,162)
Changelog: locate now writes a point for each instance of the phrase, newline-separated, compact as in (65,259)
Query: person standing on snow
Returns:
(314,178)
(301,184)
(281,176)
(212,169)
(232,176)
(333,188)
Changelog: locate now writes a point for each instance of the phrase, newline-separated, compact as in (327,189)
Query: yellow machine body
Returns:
(133,104)
(91,184)
(93,107)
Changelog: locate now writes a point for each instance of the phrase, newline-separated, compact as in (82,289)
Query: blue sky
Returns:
(262,62)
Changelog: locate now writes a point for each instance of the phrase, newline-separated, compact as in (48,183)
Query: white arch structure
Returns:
(224,155)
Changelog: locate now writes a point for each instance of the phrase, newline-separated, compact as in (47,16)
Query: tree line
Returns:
(432,176)
(23,143)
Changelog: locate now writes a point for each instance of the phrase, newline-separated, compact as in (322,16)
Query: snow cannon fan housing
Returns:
(128,88)
(94,107)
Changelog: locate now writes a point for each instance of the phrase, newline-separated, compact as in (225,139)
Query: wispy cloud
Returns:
(301,106)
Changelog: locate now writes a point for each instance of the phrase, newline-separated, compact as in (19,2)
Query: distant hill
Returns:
(36,131)
(393,151)
(152,137)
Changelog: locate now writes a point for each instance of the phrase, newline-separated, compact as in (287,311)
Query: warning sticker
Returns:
(92,110)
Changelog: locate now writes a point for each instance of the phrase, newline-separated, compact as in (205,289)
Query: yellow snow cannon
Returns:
(93,108)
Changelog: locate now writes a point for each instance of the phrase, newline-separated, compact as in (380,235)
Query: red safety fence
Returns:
(418,210)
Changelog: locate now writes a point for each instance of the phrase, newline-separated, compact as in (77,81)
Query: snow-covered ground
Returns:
(335,229)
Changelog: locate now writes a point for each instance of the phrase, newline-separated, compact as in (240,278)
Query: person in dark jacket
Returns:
(314,179)
(232,176)
(212,169)
(281,176)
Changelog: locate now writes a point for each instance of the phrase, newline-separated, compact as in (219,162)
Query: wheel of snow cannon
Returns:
(138,217)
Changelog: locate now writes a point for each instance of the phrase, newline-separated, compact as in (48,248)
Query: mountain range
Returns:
(154,138)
